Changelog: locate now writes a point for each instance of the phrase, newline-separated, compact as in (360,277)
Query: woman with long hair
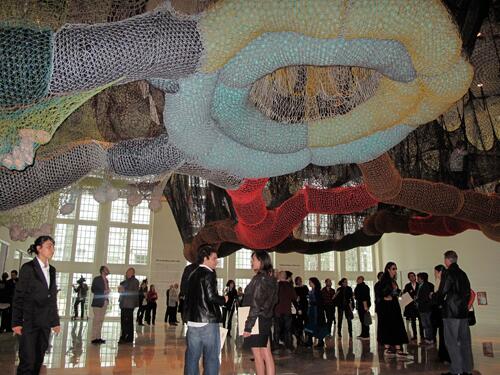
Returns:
(316,324)
(35,306)
(392,332)
(228,308)
(261,294)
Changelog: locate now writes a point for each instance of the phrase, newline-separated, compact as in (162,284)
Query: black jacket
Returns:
(344,297)
(411,310)
(387,288)
(423,298)
(202,299)
(35,305)
(361,294)
(454,293)
(98,289)
(261,294)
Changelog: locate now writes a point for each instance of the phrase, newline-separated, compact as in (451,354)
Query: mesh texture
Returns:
(154,45)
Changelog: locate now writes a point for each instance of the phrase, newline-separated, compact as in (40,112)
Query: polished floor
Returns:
(160,350)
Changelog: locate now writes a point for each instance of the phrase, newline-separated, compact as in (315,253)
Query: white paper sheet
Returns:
(242,318)
(405,300)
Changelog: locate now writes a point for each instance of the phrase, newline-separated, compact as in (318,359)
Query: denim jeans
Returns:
(425,321)
(202,340)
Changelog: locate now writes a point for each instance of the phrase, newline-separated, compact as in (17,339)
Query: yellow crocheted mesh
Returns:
(228,26)
(32,215)
(440,92)
(424,27)
(43,118)
(367,117)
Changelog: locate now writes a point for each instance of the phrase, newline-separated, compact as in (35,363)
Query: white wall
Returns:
(478,256)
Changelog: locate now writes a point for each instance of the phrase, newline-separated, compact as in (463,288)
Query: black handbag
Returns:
(471,316)
(348,313)
(368,319)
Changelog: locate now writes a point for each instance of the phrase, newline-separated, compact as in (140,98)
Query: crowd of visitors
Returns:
(284,312)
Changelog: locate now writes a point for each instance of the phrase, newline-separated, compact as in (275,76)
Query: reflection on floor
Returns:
(160,349)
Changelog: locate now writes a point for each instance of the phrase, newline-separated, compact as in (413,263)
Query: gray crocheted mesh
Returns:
(144,156)
(219,178)
(49,175)
(153,45)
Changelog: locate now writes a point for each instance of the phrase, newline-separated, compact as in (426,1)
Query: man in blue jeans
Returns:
(203,315)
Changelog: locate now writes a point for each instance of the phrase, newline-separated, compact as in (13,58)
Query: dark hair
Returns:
(451,255)
(102,268)
(316,283)
(439,268)
(289,274)
(411,273)
(229,282)
(39,242)
(14,271)
(5,276)
(297,278)
(204,252)
(423,275)
(265,261)
(342,280)
(380,274)
(386,270)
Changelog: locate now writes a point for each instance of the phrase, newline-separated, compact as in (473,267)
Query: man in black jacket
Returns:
(188,270)
(423,303)
(203,314)
(454,294)
(363,303)
(100,289)
(129,300)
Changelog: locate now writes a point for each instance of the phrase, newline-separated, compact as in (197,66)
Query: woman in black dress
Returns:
(35,306)
(228,308)
(392,332)
(316,324)
(261,294)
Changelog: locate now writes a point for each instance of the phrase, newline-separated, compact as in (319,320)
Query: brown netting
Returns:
(309,93)
(56,13)
(430,197)
(134,110)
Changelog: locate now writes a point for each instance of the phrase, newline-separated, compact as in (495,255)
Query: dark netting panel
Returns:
(195,202)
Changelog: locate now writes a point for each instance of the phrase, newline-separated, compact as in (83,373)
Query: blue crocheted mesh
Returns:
(25,64)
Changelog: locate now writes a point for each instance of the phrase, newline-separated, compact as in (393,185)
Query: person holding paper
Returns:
(261,295)
(392,332)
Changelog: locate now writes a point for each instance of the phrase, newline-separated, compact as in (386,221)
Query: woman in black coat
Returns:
(261,294)
(35,306)
(344,299)
(392,332)
(316,324)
